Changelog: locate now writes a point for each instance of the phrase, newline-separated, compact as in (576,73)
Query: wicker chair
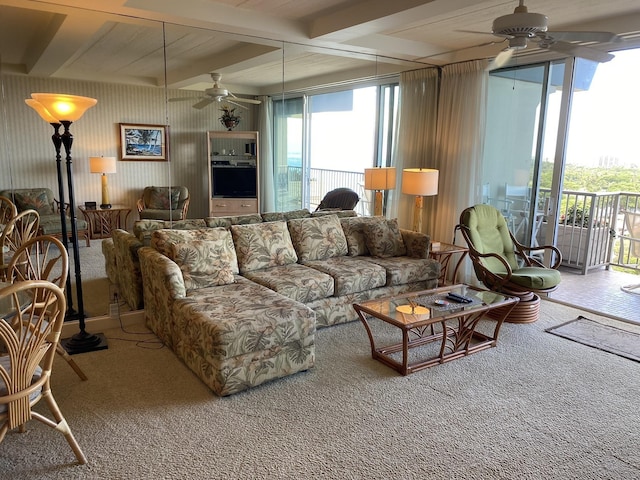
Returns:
(25,367)
(43,258)
(504,265)
(164,203)
(17,231)
(8,210)
(339,199)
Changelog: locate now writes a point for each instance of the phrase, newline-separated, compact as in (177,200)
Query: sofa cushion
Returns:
(383,238)
(263,245)
(233,220)
(163,240)
(51,225)
(206,263)
(295,281)
(317,238)
(161,198)
(293,214)
(34,199)
(188,224)
(351,275)
(353,229)
(273,217)
(404,270)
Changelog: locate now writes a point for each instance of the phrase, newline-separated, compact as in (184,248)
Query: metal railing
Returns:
(321,181)
(592,231)
(595,229)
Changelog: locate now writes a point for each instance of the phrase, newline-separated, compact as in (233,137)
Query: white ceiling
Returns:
(325,41)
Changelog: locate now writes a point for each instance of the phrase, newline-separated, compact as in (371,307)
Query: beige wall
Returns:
(27,155)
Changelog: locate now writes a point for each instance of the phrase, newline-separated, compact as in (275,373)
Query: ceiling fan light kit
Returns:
(520,24)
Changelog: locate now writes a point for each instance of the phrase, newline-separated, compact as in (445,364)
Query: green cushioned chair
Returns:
(42,201)
(164,203)
(504,265)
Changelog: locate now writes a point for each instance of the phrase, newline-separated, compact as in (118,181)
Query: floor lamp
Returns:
(62,110)
(421,182)
(379,179)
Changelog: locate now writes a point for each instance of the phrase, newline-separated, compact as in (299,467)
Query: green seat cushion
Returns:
(536,278)
(50,225)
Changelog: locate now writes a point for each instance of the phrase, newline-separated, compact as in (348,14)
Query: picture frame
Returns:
(143,142)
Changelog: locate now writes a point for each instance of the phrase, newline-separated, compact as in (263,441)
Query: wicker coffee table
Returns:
(431,328)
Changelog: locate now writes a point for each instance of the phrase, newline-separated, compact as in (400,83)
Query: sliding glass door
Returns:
(519,156)
(325,141)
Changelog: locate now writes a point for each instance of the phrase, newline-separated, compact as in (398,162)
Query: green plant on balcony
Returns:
(576,217)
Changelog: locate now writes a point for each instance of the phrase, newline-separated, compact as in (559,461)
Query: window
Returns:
(325,141)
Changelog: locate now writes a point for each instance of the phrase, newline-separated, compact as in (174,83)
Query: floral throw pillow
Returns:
(353,228)
(161,198)
(34,200)
(206,263)
(263,245)
(318,238)
(384,239)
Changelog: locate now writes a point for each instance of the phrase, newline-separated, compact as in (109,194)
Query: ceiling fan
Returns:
(217,93)
(521,27)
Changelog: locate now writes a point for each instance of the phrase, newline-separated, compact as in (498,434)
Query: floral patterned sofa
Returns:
(121,251)
(240,304)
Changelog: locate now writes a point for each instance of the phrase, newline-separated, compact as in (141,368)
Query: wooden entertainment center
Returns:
(233,173)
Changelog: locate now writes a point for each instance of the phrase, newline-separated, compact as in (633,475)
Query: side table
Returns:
(443,253)
(102,221)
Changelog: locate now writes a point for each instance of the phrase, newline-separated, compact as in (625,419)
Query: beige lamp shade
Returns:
(383,178)
(64,107)
(102,164)
(420,181)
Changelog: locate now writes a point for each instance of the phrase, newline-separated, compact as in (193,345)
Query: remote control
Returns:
(458,298)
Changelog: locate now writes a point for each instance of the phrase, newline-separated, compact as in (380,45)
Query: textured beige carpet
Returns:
(535,407)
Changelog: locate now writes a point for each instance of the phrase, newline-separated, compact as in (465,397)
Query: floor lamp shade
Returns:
(378,179)
(103,165)
(421,182)
(64,107)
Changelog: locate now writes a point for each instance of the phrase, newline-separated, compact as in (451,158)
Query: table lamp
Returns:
(103,165)
(421,182)
(379,179)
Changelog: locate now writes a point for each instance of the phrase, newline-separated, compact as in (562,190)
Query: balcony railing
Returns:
(595,230)
(592,231)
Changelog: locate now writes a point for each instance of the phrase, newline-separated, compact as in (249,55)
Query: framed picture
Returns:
(143,142)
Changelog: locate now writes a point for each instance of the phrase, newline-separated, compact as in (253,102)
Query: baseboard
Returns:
(105,322)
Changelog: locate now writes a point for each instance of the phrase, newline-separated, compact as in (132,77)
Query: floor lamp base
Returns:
(83,342)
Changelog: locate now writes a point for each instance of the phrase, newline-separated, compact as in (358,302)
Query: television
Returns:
(232,181)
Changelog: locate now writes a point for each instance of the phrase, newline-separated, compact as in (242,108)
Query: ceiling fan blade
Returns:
(587,53)
(203,103)
(600,37)
(245,100)
(501,59)
(236,104)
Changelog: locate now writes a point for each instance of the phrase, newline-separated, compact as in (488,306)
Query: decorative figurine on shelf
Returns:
(229,118)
